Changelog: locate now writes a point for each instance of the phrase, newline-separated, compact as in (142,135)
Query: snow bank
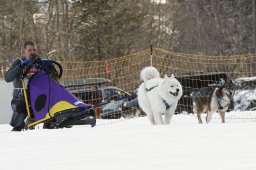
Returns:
(5,100)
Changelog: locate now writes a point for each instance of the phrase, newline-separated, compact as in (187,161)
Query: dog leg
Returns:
(198,113)
(167,118)
(151,117)
(222,115)
(209,116)
(149,112)
(199,118)
(168,115)
(158,118)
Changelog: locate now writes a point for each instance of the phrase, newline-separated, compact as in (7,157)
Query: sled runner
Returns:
(50,103)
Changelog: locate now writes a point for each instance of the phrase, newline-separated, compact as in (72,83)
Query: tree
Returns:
(111,28)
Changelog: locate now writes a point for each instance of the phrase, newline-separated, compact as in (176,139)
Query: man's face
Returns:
(29,51)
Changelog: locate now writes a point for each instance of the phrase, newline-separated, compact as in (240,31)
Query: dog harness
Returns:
(167,106)
(151,88)
(218,100)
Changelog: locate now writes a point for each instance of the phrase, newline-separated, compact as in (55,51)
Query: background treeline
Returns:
(103,29)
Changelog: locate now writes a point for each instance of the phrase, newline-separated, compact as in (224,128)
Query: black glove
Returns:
(34,58)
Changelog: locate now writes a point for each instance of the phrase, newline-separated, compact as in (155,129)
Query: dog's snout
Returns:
(177,90)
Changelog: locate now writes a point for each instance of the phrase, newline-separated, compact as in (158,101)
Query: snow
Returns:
(245,79)
(131,144)
(243,98)
(135,144)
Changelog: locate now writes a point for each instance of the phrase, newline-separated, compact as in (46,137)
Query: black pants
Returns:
(19,113)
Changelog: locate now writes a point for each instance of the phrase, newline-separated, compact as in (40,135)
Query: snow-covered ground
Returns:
(135,144)
(131,144)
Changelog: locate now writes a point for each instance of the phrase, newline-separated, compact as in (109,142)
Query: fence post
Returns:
(2,71)
(151,55)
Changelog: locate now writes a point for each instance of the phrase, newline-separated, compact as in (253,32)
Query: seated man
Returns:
(25,65)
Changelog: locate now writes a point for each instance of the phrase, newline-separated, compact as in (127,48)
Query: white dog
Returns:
(158,96)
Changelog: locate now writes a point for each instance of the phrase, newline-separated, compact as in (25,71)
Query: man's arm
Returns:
(14,71)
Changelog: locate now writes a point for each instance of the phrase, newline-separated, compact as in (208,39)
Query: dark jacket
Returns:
(15,72)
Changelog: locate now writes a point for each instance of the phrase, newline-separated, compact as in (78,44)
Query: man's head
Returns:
(29,49)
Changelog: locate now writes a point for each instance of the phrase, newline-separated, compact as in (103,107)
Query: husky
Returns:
(158,96)
(213,99)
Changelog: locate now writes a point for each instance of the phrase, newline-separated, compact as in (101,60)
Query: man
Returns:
(20,68)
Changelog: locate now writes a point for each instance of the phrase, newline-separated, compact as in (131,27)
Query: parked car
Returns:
(96,91)
(130,108)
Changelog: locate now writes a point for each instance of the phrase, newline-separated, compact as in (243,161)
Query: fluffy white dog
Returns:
(158,96)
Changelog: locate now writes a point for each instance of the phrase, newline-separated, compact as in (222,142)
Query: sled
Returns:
(50,103)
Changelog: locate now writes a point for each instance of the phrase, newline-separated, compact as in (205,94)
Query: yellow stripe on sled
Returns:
(60,106)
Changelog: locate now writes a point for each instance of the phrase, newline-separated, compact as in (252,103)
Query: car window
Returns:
(110,92)
(93,97)
(113,92)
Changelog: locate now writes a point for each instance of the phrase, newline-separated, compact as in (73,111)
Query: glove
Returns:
(34,58)
(47,63)
(25,63)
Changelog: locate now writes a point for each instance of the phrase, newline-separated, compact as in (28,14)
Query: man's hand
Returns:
(25,63)
(34,58)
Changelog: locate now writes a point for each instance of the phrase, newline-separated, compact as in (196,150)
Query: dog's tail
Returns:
(149,73)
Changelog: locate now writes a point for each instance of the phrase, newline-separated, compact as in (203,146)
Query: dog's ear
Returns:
(222,80)
(172,76)
(231,84)
(165,76)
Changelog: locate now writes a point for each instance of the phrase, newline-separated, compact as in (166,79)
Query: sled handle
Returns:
(60,67)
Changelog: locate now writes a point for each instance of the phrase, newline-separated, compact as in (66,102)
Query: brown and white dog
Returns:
(210,100)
